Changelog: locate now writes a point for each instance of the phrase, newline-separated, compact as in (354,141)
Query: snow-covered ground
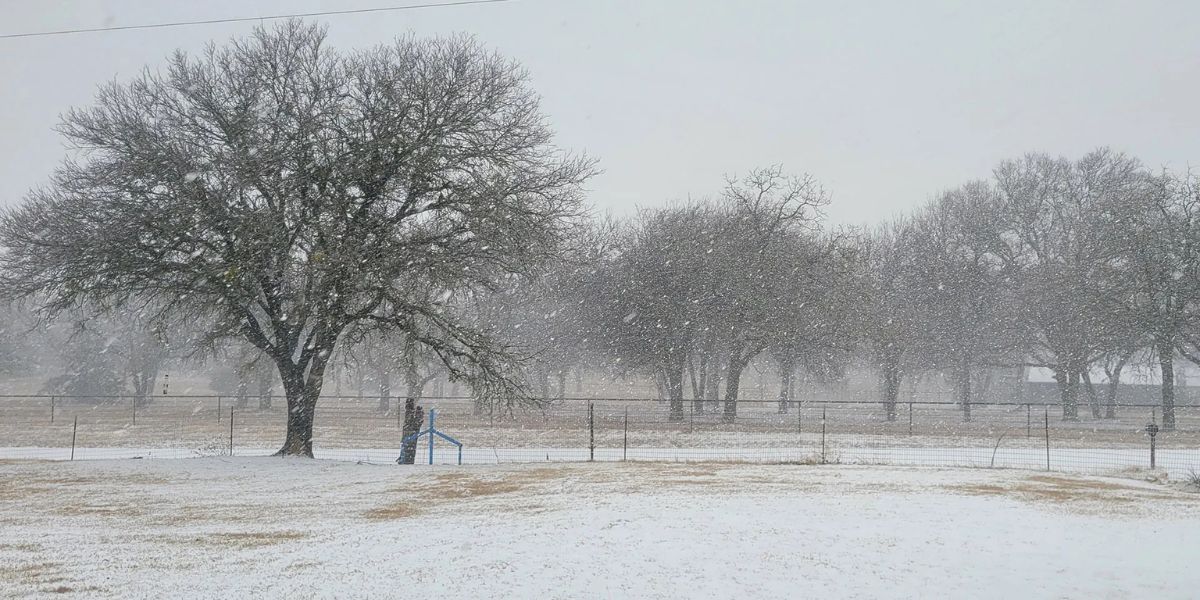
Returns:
(284,528)
(1178,462)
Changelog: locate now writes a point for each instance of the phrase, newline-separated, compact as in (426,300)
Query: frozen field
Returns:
(279,528)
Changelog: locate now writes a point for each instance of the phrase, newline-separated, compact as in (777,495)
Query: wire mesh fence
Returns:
(931,433)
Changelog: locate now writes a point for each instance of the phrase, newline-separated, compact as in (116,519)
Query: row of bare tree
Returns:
(1076,266)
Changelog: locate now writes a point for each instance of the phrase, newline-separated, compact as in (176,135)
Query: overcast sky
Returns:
(886,103)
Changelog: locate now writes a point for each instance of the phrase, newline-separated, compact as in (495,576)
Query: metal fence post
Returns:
(823,434)
(1028,421)
(625,442)
(133,405)
(1047,437)
(231,431)
(1152,430)
(1152,438)
(591,432)
(218,409)
(910,407)
(799,421)
(51,409)
(74,430)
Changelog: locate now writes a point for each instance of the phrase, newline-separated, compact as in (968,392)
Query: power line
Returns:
(244,19)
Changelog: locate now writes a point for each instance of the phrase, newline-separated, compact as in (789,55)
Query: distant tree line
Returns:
(1069,265)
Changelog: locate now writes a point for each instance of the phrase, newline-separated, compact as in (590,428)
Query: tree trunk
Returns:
(1092,397)
(544,376)
(1114,384)
(891,377)
(674,377)
(1166,362)
(414,416)
(264,387)
(385,390)
(478,403)
(1068,386)
(1110,396)
(243,387)
(697,380)
(712,389)
(787,368)
(143,387)
(660,385)
(302,391)
(733,379)
(792,391)
(963,383)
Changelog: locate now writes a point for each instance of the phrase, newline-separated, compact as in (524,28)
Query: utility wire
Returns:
(244,19)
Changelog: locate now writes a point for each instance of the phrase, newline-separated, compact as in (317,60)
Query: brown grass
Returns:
(1061,490)
(129,509)
(302,565)
(32,573)
(252,539)
(398,510)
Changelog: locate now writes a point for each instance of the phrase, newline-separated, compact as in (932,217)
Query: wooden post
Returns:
(1028,421)
(74,430)
(51,409)
(910,407)
(133,405)
(218,409)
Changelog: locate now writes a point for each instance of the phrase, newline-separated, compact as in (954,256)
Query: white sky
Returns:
(886,103)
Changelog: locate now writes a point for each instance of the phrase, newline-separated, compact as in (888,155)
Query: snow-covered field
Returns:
(282,528)
(850,450)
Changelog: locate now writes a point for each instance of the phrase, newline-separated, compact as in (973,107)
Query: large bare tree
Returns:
(282,191)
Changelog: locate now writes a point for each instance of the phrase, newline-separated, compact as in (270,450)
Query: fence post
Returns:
(591,432)
(218,409)
(910,407)
(823,434)
(230,431)
(1028,421)
(1047,437)
(1152,429)
(51,410)
(799,422)
(133,405)
(1152,438)
(625,442)
(74,430)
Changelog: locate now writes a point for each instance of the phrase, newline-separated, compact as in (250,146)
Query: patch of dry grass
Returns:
(36,573)
(127,509)
(251,539)
(397,510)
(1061,490)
